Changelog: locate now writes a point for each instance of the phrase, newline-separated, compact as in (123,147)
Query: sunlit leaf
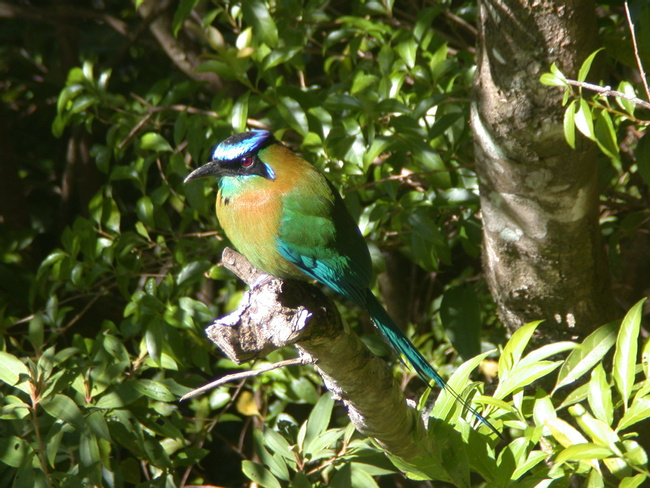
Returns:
(257,15)
(587,355)
(625,355)
(639,410)
(600,395)
(570,124)
(514,349)
(14,372)
(584,120)
(586,65)
(259,474)
(154,142)
(585,451)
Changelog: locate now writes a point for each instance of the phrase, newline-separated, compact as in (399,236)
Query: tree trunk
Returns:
(543,256)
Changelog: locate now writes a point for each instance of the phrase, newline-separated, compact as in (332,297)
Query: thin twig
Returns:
(244,374)
(135,129)
(608,92)
(636,52)
(407,176)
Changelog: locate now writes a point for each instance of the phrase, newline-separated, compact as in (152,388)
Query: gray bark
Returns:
(543,257)
(276,313)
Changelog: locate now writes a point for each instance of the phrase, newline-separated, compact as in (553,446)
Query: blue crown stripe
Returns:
(240,144)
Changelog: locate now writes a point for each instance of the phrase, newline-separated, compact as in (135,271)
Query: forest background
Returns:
(109,265)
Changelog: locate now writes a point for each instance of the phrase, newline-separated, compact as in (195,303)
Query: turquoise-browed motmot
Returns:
(288,220)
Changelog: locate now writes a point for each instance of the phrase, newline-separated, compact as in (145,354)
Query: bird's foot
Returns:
(262,279)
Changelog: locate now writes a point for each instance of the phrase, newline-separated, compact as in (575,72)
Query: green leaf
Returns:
(319,419)
(258,17)
(460,314)
(551,80)
(570,124)
(519,378)
(639,410)
(154,142)
(585,451)
(598,431)
(88,449)
(320,447)
(556,72)
(625,355)
(154,340)
(293,114)
(145,210)
(66,95)
(586,66)
(515,347)
(458,382)
(424,468)
(633,482)
(14,372)
(62,407)
(278,444)
(606,134)
(628,105)
(361,477)
(183,11)
(154,389)
(584,120)
(565,433)
(546,351)
(600,395)
(533,459)
(279,56)
(362,81)
(586,355)
(259,474)
(123,395)
(407,50)
(239,115)
(14,451)
(274,462)
(97,424)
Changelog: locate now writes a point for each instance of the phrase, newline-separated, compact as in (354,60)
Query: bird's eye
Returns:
(247,162)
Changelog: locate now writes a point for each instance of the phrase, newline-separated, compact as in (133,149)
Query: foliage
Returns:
(103,289)
(613,114)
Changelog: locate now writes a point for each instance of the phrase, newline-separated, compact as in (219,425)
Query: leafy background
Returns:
(109,264)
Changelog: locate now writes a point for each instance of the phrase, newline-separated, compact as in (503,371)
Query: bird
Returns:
(289,221)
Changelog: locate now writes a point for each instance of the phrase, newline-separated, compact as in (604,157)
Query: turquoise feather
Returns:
(289,221)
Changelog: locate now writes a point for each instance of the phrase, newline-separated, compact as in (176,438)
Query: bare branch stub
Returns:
(275,313)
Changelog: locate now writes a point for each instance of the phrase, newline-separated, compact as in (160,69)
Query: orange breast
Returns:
(251,220)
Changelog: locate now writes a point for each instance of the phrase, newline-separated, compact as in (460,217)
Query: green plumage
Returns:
(289,221)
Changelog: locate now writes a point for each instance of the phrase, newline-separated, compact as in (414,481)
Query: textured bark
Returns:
(543,256)
(277,313)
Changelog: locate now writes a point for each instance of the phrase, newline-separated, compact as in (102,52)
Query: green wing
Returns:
(318,235)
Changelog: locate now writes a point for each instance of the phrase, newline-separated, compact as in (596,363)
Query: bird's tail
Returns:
(405,348)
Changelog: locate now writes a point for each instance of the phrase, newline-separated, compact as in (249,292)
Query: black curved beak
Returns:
(209,169)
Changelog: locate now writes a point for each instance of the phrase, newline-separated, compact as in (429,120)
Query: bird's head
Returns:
(237,156)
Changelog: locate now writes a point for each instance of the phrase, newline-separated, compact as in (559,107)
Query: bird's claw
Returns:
(262,279)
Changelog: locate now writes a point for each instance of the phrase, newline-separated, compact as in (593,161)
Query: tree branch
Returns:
(182,52)
(278,313)
(639,64)
(607,91)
